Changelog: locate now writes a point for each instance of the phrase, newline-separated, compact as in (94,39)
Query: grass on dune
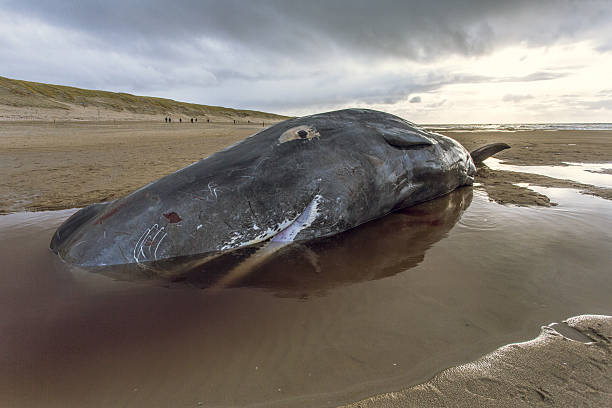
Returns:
(14,92)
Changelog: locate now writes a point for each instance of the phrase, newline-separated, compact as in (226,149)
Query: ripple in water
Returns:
(479,217)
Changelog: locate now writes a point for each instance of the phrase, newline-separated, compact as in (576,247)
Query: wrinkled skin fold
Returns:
(300,179)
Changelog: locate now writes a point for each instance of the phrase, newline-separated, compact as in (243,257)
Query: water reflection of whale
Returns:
(375,250)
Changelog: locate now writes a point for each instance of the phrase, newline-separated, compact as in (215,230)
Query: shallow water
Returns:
(378,308)
(586,173)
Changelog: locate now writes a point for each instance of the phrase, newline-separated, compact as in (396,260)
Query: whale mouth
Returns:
(274,243)
(285,231)
(303,221)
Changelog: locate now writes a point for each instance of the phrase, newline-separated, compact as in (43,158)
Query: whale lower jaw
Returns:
(303,221)
(285,231)
(278,241)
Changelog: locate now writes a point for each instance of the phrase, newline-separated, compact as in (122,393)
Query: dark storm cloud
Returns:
(410,29)
(280,54)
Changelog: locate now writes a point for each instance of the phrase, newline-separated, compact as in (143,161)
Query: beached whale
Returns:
(303,178)
(375,250)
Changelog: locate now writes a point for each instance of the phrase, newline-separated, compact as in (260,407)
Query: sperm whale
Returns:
(304,178)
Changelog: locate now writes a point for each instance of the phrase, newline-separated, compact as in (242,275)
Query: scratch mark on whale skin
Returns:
(213,190)
(158,244)
(146,242)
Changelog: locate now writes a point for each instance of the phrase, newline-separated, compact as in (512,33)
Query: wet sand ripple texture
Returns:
(550,370)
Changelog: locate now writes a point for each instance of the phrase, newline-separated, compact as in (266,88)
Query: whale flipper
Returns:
(482,153)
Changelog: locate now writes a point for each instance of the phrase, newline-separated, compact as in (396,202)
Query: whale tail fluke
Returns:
(482,153)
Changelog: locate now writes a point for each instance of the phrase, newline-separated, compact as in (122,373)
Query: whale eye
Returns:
(299,133)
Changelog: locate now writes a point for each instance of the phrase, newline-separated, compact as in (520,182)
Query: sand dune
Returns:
(24,100)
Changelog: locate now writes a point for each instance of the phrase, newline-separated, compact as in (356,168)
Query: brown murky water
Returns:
(381,307)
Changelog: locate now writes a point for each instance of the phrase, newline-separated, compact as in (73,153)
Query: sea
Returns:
(513,127)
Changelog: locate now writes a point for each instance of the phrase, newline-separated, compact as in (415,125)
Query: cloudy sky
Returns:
(446,61)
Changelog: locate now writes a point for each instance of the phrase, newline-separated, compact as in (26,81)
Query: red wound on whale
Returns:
(173,217)
(110,213)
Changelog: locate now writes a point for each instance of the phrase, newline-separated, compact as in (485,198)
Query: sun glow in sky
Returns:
(571,88)
(444,62)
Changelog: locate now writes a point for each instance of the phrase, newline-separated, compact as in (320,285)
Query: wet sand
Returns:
(48,166)
(538,148)
(567,365)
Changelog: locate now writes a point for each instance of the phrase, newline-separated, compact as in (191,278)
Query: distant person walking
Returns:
(180,120)
(191,120)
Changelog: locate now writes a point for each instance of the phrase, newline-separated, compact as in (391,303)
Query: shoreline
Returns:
(578,351)
(542,148)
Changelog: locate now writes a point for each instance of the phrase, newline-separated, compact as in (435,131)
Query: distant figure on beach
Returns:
(207,120)
(196,120)
(169,119)
(166,119)
(234,121)
(180,120)
(191,120)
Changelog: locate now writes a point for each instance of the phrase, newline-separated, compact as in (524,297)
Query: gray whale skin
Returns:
(301,179)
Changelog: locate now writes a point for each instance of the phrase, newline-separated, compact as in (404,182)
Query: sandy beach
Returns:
(236,204)
(435,305)
(50,166)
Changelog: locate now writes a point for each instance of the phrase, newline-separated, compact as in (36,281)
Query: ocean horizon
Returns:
(513,127)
